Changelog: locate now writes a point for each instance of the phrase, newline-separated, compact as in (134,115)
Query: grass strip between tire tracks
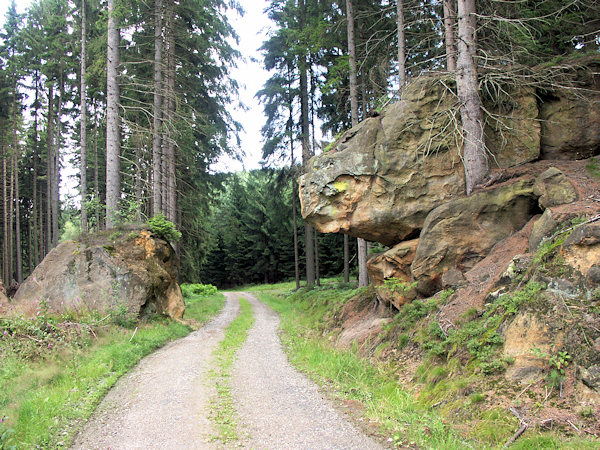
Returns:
(223,414)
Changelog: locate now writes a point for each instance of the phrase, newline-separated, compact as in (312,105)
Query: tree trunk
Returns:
(157,156)
(56,159)
(171,155)
(449,27)
(363,278)
(18,250)
(113,138)
(346,259)
(83,121)
(317,265)
(474,158)
(5,219)
(96,170)
(306,152)
(49,166)
(36,255)
(401,44)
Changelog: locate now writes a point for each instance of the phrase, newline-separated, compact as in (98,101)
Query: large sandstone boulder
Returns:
(382,177)
(461,233)
(135,270)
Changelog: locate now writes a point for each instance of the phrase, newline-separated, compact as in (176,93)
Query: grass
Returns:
(223,412)
(51,384)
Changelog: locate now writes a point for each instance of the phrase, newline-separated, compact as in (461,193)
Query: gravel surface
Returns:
(279,407)
(163,402)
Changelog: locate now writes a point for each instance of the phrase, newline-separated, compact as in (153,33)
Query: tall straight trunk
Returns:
(471,113)
(11,204)
(171,155)
(36,255)
(449,27)
(83,121)
(363,277)
(306,152)
(15,145)
(346,259)
(96,169)
(138,171)
(317,265)
(401,44)
(290,126)
(30,246)
(49,167)
(4,219)
(56,159)
(113,134)
(157,155)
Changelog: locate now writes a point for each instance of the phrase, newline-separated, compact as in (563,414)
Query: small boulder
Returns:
(590,376)
(394,263)
(581,250)
(102,272)
(461,233)
(553,188)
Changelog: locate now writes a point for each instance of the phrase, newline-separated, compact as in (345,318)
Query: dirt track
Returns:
(164,402)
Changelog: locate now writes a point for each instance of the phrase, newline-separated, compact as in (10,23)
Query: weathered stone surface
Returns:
(453,278)
(394,263)
(590,376)
(570,125)
(138,271)
(382,178)
(581,250)
(460,233)
(525,332)
(554,188)
(3,298)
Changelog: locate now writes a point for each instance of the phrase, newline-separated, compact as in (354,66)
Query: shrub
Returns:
(164,228)
(198,289)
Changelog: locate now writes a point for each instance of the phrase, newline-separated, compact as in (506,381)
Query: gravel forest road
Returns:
(164,403)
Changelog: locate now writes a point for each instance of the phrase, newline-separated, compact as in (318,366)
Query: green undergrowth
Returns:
(349,376)
(222,409)
(55,370)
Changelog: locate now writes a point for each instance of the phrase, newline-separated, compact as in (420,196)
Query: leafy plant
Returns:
(163,228)
(557,362)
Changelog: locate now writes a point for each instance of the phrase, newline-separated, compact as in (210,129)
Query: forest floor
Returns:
(183,395)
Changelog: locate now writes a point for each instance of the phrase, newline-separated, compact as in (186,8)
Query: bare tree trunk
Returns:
(294,188)
(5,273)
(157,206)
(11,204)
(96,169)
(56,159)
(449,27)
(171,155)
(474,158)
(346,259)
(317,265)
(36,255)
(306,153)
(18,250)
(113,138)
(363,277)
(49,166)
(83,121)
(401,44)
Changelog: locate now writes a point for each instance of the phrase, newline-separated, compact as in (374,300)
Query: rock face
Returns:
(101,273)
(3,298)
(461,233)
(383,177)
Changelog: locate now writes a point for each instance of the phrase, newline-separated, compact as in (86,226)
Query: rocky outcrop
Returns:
(382,178)
(461,233)
(130,269)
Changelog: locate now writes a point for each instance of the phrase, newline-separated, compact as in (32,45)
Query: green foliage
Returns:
(198,289)
(164,228)
(593,167)
(397,286)
(557,364)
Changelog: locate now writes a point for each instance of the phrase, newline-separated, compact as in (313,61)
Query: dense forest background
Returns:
(138,95)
